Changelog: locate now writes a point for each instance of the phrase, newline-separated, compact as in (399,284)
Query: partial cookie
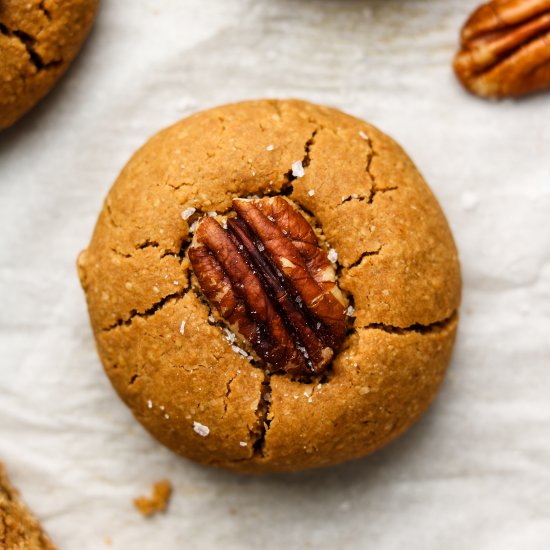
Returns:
(19,530)
(38,41)
(188,287)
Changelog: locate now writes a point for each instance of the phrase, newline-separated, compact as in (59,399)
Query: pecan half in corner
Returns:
(505,50)
(269,279)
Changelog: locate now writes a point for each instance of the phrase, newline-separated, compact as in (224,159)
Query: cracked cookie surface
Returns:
(169,355)
(38,41)
(19,529)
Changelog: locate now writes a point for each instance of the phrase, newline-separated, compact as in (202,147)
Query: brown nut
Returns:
(505,49)
(269,279)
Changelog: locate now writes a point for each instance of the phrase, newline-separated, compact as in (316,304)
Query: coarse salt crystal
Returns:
(167,416)
(469,200)
(363,135)
(229,336)
(149,404)
(332,255)
(211,318)
(311,192)
(270,147)
(188,212)
(242,443)
(239,350)
(212,214)
(261,247)
(176,283)
(298,169)
(350,312)
(182,327)
(201,429)
(194,226)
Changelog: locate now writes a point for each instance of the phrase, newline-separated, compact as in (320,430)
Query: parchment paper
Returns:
(473,474)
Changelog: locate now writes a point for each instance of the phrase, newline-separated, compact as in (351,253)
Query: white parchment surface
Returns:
(473,474)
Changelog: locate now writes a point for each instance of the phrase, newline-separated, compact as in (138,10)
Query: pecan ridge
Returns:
(505,49)
(270,280)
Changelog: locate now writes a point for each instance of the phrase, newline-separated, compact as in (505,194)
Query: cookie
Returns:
(193,370)
(38,41)
(18,528)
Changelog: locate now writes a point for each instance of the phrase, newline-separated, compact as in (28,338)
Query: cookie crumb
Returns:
(270,147)
(311,192)
(188,212)
(298,169)
(158,502)
(182,327)
(201,429)
(332,255)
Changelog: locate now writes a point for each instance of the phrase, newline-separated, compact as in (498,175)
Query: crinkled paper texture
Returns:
(474,473)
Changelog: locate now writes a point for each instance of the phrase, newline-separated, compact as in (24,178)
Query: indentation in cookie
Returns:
(267,276)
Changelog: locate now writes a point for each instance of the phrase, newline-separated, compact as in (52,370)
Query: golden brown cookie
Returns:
(19,530)
(38,41)
(170,355)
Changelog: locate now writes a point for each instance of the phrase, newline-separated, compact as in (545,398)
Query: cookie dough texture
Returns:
(19,530)
(396,256)
(38,41)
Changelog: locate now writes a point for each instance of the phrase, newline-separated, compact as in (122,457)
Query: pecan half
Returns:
(269,279)
(505,50)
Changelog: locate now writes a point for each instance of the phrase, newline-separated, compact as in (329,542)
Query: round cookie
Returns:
(170,356)
(38,41)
